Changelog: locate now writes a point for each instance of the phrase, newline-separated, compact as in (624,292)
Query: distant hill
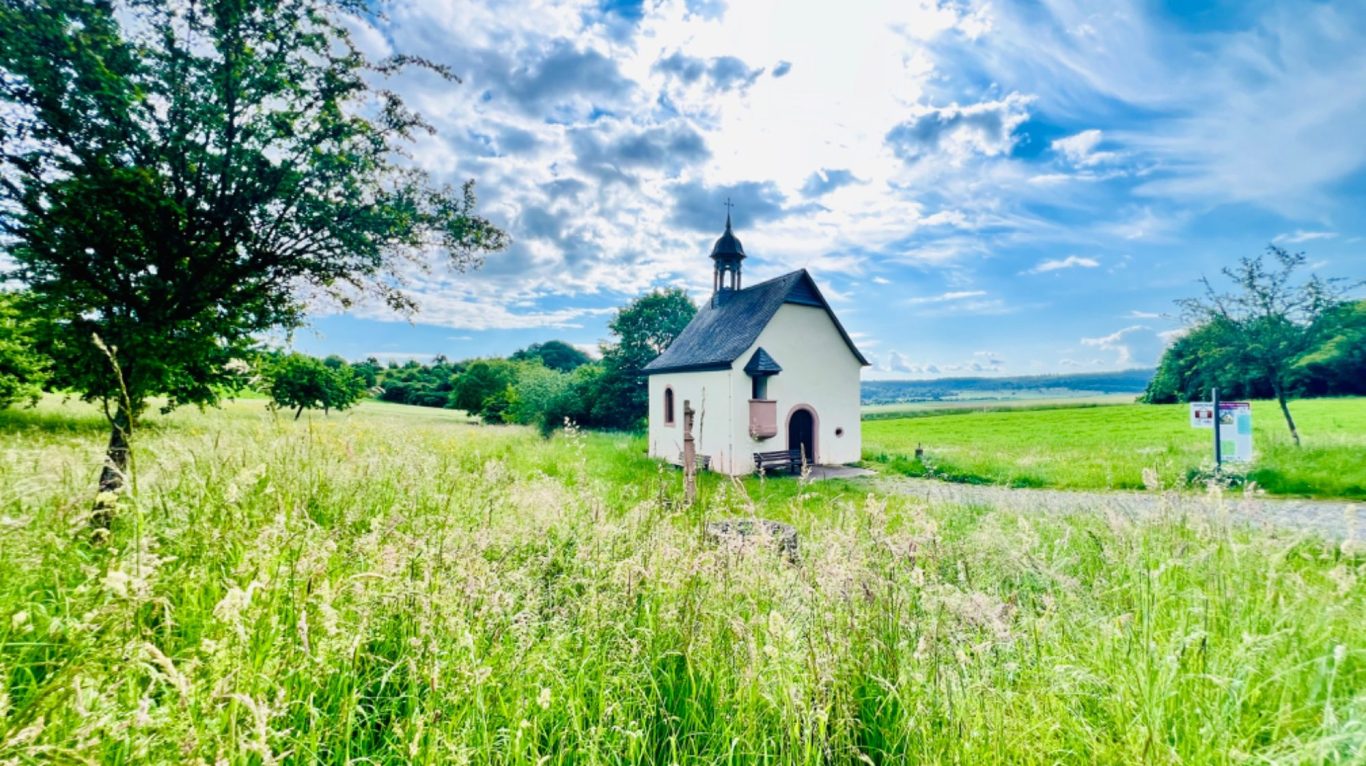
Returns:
(1033,386)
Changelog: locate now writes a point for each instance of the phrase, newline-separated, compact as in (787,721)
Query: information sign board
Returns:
(1235,427)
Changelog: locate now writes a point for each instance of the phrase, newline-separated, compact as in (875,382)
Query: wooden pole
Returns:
(689,456)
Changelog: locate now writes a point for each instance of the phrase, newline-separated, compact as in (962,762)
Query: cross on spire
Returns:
(727,255)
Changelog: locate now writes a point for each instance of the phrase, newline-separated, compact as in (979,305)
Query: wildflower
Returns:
(168,668)
(1339,654)
(544,699)
(27,734)
(326,611)
(19,620)
(143,717)
(116,582)
(233,604)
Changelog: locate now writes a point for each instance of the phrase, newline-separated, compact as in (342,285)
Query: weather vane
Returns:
(728,206)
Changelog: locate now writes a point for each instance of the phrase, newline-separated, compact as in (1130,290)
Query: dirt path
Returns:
(1336,519)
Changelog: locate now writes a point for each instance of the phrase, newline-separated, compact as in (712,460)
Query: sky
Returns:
(978,188)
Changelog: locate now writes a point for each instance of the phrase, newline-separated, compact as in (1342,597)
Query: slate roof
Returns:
(762,364)
(729,323)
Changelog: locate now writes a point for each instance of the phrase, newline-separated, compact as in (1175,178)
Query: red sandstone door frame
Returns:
(814,457)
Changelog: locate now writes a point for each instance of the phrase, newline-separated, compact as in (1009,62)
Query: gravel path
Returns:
(1335,519)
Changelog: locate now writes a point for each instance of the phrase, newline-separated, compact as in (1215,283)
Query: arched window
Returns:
(668,406)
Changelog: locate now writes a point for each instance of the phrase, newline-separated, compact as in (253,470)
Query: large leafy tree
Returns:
(178,176)
(1267,324)
(644,328)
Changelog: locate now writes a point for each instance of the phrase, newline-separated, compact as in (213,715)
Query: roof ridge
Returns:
(774,279)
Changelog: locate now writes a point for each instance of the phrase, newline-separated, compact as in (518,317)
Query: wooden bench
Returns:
(703,462)
(791,459)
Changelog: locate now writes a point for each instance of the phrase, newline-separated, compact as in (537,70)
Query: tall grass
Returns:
(395,586)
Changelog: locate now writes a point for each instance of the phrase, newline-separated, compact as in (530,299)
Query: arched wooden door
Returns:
(801,433)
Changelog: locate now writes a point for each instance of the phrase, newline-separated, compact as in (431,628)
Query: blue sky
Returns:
(1000,189)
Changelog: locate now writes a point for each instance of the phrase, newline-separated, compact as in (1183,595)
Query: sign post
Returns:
(1218,451)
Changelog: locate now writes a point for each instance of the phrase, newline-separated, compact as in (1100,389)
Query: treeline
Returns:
(521,389)
(1216,353)
(542,385)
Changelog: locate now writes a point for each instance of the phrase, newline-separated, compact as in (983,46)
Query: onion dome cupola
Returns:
(727,254)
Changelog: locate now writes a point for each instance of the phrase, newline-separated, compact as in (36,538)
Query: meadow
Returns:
(395,584)
(1109,447)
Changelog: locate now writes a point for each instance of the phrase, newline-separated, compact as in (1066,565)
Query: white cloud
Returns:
(863,340)
(1080,149)
(1300,235)
(1137,345)
(955,295)
(899,362)
(1070,262)
(986,128)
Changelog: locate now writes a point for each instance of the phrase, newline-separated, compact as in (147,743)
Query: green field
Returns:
(396,585)
(1109,447)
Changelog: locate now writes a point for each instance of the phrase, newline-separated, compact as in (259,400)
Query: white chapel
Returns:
(766,368)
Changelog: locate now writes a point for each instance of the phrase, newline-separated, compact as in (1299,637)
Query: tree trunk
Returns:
(115,471)
(1285,410)
(298,412)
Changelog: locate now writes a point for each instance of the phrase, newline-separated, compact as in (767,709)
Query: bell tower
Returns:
(727,254)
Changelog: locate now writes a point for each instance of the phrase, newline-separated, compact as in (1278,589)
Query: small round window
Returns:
(839,432)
